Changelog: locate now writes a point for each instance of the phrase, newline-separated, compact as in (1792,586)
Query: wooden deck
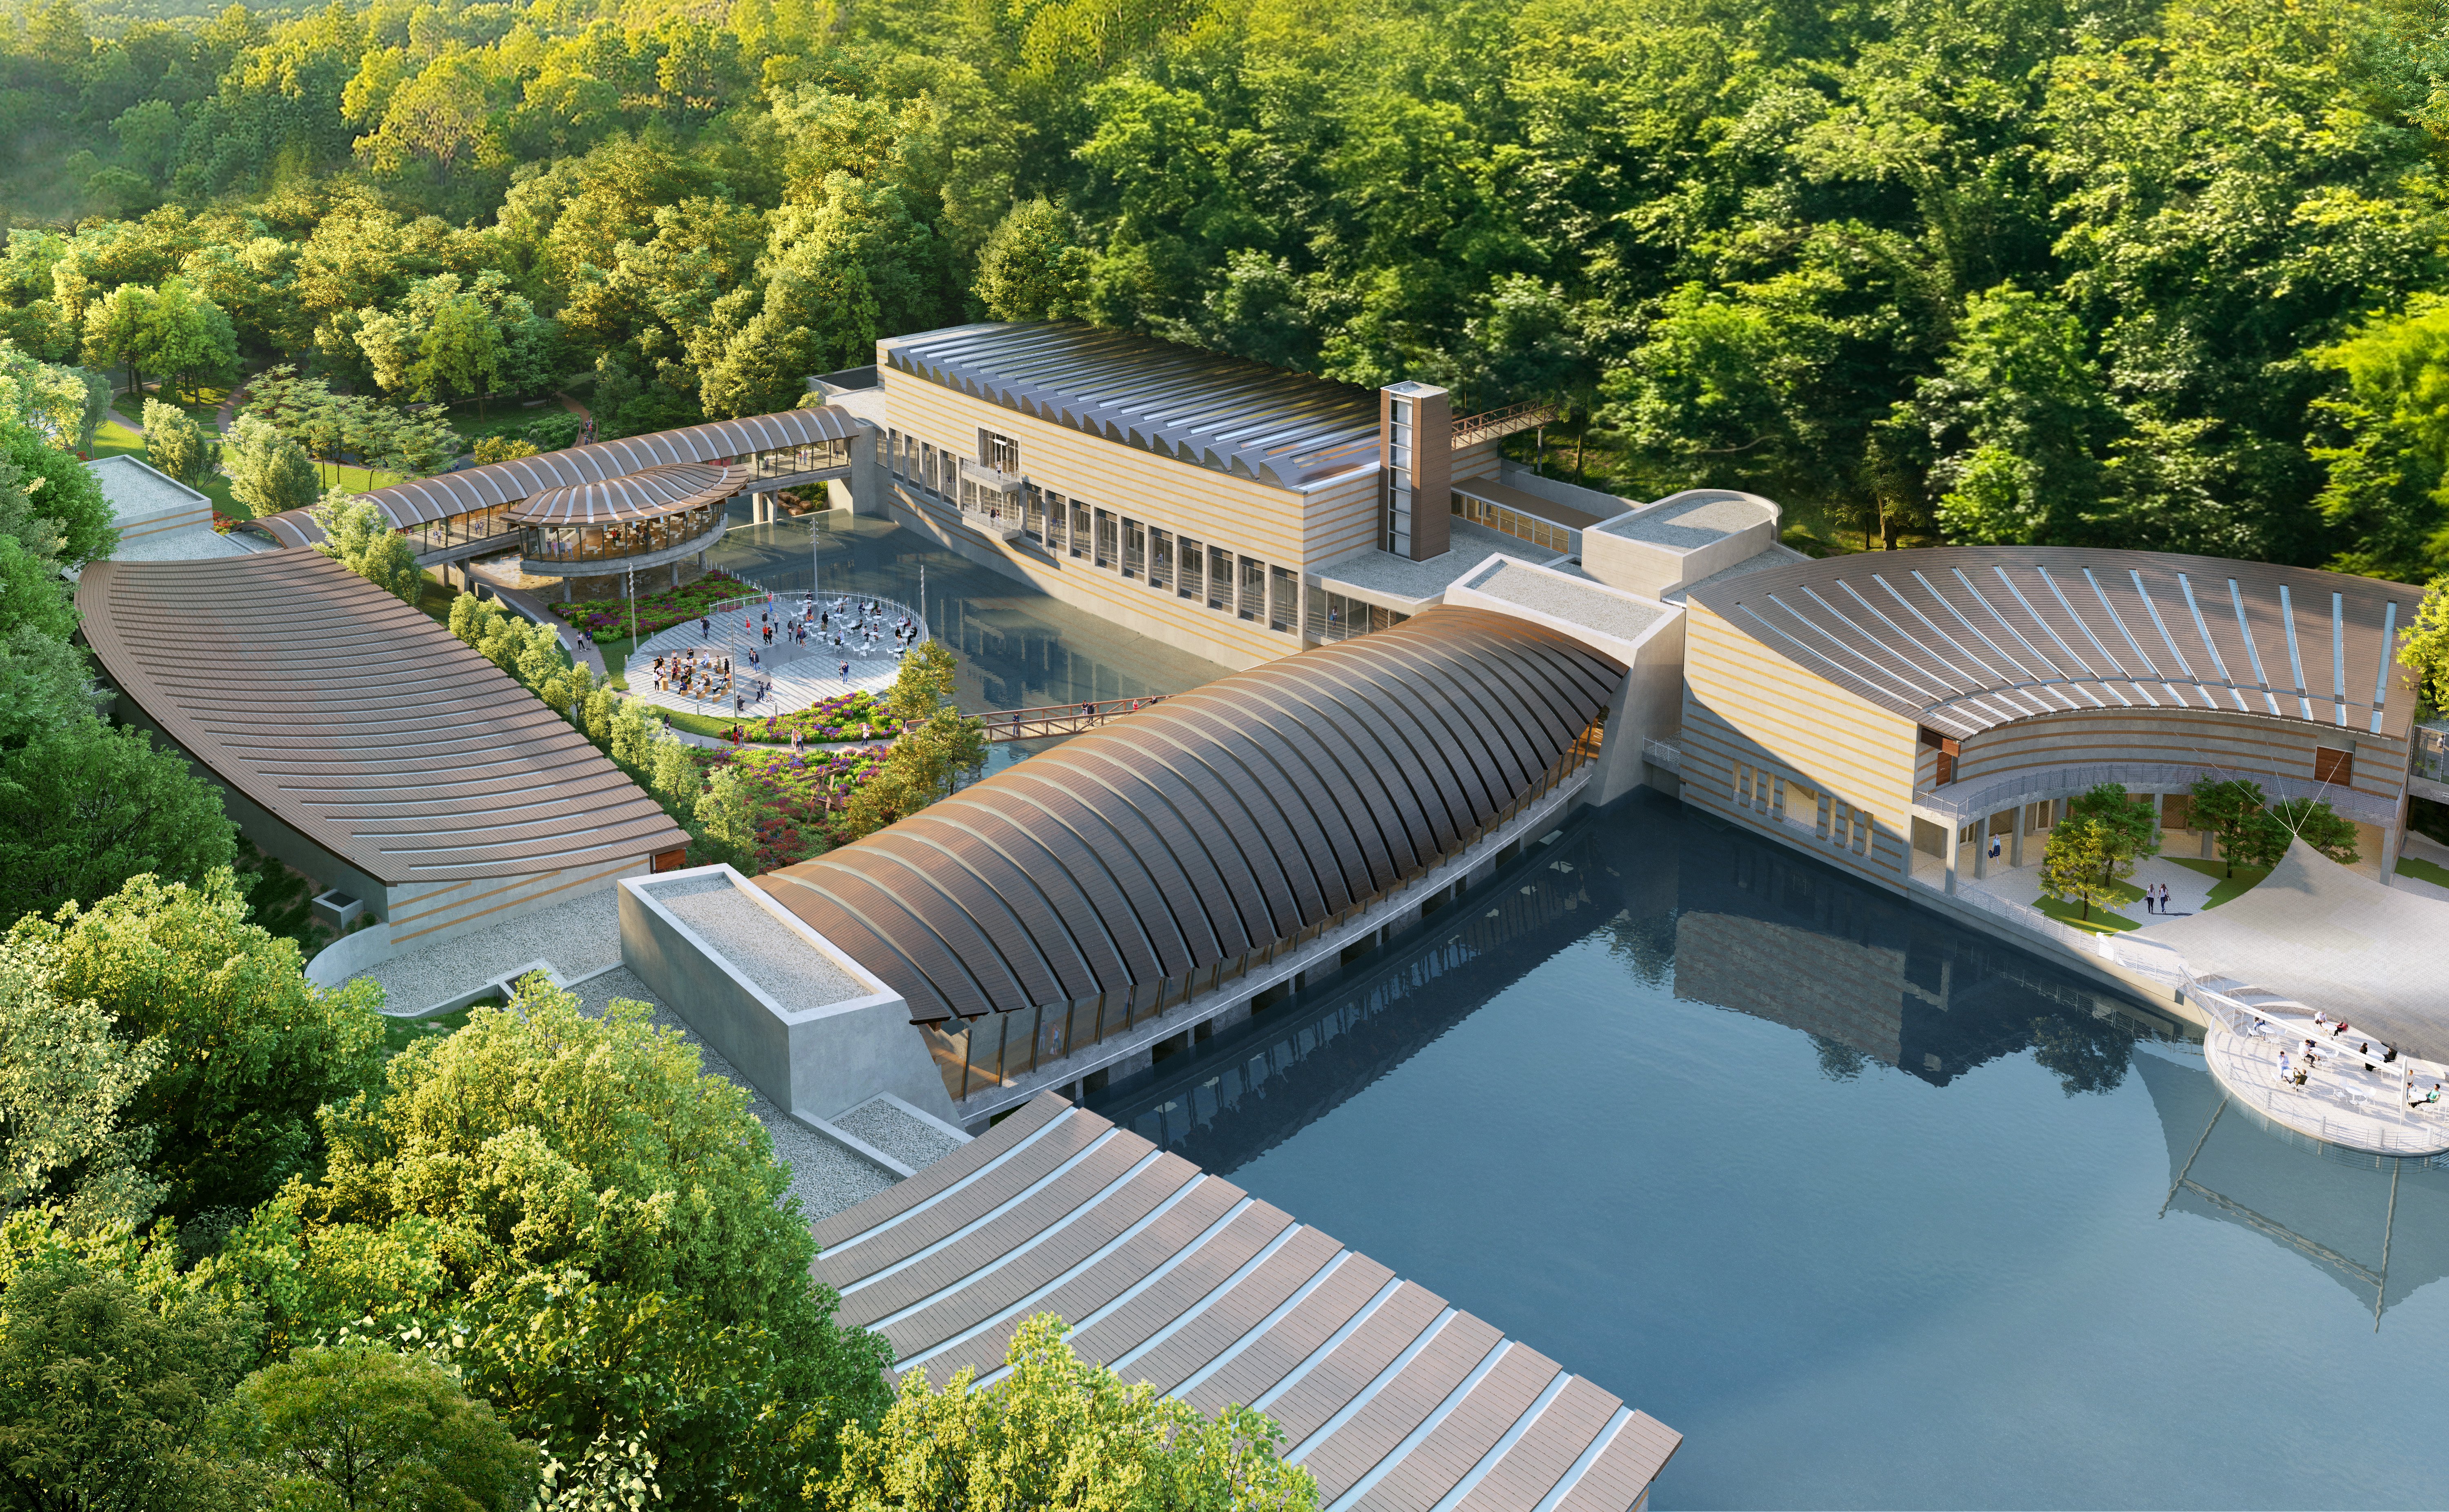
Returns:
(1393,1399)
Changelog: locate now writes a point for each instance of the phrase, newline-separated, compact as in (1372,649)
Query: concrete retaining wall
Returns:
(818,1059)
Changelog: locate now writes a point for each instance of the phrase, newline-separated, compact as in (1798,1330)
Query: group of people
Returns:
(2155,898)
(687,672)
(2297,1069)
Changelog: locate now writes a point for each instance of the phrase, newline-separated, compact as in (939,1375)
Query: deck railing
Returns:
(1469,429)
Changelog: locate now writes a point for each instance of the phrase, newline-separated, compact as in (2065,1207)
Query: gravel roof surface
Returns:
(824,1177)
(1578,603)
(794,973)
(1692,524)
(135,489)
(577,937)
(915,1142)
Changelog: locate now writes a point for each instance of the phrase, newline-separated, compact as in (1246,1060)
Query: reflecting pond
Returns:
(1875,1210)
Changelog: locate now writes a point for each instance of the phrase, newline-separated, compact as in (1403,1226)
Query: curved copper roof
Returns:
(1217,822)
(359,721)
(633,496)
(445,494)
(1964,638)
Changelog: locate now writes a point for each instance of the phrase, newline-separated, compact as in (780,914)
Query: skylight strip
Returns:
(1581,1465)
(1429,1425)
(2339,654)
(1905,638)
(2166,638)
(1913,692)
(997,1212)
(2047,629)
(2381,672)
(1369,1393)
(2295,660)
(1497,1451)
(1199,1377)
(965,1182)
(2021,671)
(2252,648)
(1333,1341)
(1848,621)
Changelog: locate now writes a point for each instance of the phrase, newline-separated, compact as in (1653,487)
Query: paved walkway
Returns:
(799,676)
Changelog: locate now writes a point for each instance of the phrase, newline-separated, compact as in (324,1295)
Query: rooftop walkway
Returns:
(1390,1396)
(800,675)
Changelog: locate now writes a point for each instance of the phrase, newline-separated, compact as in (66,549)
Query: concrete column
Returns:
(2015,837)
(867,485)
(1955,850)
(565,590)
(1982,849)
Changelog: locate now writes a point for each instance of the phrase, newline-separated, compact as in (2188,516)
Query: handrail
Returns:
(1060,719)
(1469,429)
(1972,800)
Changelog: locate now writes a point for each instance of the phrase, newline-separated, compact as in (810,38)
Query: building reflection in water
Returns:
(1017,648)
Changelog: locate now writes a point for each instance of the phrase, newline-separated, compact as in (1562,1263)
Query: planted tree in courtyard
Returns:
(2229,808)
(2079,865)
(1061,1432)
(727,814)
(361,538)
(2129,828)
(269,472)
(175,443)
(936,745)
(2317,825)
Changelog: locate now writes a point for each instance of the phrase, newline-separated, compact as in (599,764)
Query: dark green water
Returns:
(1876,1211)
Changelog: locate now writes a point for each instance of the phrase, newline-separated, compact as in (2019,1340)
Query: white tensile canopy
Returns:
(2333,940)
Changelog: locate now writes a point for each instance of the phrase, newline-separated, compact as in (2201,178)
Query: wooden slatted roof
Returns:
(1392,1397)
(1964,638)
(1217,822)
(446,495)
(359,721)
(644,495)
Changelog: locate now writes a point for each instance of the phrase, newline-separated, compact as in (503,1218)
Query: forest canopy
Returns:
(2058,271)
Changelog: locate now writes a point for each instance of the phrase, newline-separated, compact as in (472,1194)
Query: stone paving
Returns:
(798,676)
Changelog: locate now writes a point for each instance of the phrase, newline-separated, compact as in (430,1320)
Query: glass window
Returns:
(1220,578)
(999,452)
(1160,558)
(1106,551)
(1079,529)
(1194,570)
(1284,599)
(1134,549)
(1253,598)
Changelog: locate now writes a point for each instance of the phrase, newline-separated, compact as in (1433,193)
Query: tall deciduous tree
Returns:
(84,806)
(269,472)
(2080,864)
(249,1048)
(2229,808)
(1060,1431)
(175,443)
(361,538)
(365,1429)
(605,1226)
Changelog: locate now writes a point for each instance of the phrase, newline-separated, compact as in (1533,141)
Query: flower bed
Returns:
(796,787)
(839,718)
(692,601)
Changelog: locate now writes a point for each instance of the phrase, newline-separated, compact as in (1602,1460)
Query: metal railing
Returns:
(1060,719)
(1968,801)
(2306,1111)
(1663,755)
(1471,429)
(2431,755)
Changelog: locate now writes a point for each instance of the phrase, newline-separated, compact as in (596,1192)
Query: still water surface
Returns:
(1876,1211)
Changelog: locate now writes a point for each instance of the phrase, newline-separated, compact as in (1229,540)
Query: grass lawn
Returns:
(398,1034)
(345,475)
(2422,871)
(2227,887)
(116,440)
(204,408)
(2102,920)
(437,600)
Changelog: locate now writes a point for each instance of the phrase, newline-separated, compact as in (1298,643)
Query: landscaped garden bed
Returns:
(692,601)
(858,716)
(795,789)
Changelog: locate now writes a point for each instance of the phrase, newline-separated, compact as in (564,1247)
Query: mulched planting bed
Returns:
(691,600)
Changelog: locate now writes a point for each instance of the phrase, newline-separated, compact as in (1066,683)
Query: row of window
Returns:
(1833,819)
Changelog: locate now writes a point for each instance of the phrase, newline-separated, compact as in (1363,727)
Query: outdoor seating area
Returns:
(770,653)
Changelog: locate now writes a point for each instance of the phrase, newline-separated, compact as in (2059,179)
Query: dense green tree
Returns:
(2423,650)
(248,1049)
(50,502)
(1033,267)
(84,807)
(2229,808)
(67,1083)
(361,538)
(176,444)
(599,1224)
(357,1427)
(2130,826)
(2389,484)
(2317,825)
(1061,1432)
(268,471)
(2080,864)
(109,1388)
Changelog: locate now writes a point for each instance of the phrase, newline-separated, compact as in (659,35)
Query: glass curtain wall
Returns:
(995,1050)
(607,543)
